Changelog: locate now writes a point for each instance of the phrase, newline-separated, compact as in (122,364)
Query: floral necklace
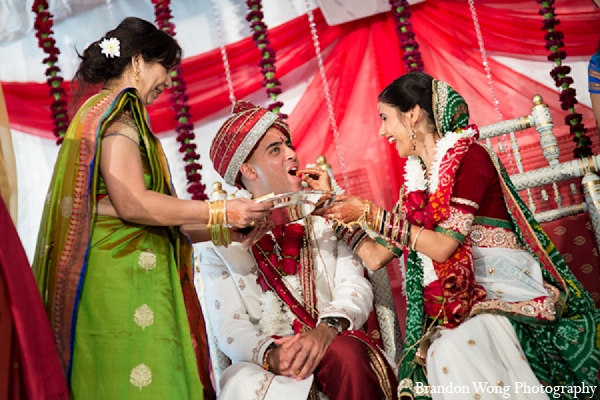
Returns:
(418,189)
(281,249)
(283,273)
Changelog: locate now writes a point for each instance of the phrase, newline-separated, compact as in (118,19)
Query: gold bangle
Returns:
(210,214)
(414,243)
(225,233)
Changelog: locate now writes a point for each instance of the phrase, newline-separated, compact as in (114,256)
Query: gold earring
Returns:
(412,136)
(136,76)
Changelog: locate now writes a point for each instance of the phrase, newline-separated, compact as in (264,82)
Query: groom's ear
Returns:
(248,171)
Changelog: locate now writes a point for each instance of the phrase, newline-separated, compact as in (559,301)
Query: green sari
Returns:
(119,295)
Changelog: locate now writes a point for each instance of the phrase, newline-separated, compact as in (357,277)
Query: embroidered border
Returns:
(540,308)
(488,236)
(458,221)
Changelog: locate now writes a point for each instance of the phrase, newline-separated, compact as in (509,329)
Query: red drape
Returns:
(36,367)
(509,27)
(364,57)
(28,103)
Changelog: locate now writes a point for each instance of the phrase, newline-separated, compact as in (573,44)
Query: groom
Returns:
(287,311)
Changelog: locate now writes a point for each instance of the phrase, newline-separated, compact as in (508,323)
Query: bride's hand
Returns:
(345,209)
(316,178)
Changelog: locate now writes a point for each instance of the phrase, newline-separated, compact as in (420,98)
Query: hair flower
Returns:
(111,47)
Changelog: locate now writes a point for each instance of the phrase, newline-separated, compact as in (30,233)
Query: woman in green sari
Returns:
(113,262)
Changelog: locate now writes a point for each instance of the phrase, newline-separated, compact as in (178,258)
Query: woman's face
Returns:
(394,129)
(153,79)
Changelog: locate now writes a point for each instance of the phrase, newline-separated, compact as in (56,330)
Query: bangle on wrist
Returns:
(266,366)
(414,243)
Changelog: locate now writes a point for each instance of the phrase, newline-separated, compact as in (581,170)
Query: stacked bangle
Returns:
(351,236)
(217,223)
(405,234)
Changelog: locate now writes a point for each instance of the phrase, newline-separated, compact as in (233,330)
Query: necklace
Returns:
(109,89)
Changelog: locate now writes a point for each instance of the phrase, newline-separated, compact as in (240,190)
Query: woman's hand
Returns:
(345,209)
(249,238)
(316,178)
(245,212)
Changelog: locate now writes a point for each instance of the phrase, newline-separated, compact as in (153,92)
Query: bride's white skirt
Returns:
(482,358)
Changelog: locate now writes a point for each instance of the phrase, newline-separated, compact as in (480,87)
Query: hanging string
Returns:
(332,121)
(260,37)
(111,16)
(223,52)
(488,74)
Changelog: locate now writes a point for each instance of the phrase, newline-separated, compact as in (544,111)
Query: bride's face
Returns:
(395,129)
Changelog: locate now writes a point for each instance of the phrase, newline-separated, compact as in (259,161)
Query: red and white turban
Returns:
(237,139)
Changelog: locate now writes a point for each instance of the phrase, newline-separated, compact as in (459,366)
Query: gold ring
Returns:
(298,372)
(252,223)
(255,241)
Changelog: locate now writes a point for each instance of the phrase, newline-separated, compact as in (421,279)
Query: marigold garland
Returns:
(43,27)
(412,56)
(554,41)
(267,63)
(179,103)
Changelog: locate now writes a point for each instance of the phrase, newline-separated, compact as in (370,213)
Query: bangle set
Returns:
(217,223)
(389,225)
(393,227)
(352,237)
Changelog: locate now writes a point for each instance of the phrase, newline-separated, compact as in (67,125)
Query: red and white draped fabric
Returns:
(364,57)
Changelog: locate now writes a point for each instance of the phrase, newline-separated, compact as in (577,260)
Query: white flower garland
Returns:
(276,316)
(415,180)
(243,194)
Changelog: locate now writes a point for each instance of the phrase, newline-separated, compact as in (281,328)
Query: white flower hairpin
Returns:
(111,47)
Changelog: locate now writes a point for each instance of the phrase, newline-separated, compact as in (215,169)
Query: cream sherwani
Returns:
(233,306)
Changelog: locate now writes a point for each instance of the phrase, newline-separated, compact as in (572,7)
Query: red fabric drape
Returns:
(28,103)
(38,368)
(365,59)
(509,27)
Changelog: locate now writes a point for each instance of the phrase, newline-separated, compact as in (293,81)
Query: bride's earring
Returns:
(412,136)
(136,76)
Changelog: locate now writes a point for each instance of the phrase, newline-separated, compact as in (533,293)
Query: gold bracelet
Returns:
(225,233)
(210,214)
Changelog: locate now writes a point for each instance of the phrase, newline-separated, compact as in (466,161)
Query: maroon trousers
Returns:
(345,373)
